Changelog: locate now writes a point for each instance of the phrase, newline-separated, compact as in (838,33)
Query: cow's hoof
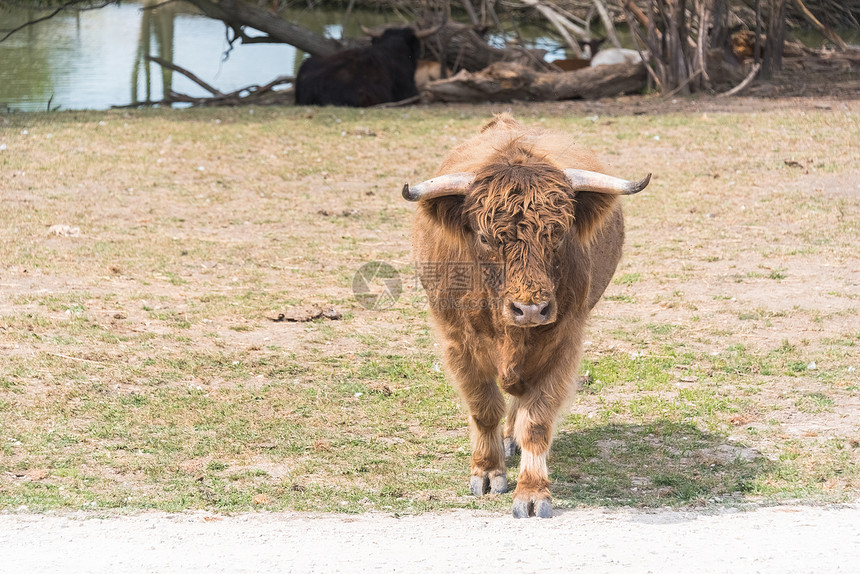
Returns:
(511,447)
(479,485)
(499,484)
(540,508)
(543,508)
(521,508)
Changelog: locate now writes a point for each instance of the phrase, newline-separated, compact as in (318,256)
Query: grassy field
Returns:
(144,258)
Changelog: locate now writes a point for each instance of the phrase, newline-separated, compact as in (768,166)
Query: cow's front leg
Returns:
(532,430)
(486,407)
(473,374)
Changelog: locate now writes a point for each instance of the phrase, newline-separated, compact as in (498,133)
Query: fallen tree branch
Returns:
(506,81)
(743,84)
(399,104)
(825,31)
(250,95)
(684,84)
(184,72)
(142,104)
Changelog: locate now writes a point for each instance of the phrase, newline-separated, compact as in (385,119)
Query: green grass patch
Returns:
(147,363)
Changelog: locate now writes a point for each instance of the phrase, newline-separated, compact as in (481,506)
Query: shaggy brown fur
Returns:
(519,235)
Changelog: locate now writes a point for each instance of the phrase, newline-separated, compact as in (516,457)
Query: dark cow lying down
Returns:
(515,241)
(361,77)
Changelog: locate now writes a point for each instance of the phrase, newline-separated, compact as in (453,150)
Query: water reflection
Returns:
(156,25)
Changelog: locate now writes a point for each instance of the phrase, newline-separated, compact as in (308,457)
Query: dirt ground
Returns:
(784,540)
(828,74)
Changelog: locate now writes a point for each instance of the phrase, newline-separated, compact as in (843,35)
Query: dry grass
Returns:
(141,368)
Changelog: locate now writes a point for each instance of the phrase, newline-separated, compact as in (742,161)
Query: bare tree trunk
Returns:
(673,51)
(699,77)
(773,45)
(687,41)
(757,45)
(238,15)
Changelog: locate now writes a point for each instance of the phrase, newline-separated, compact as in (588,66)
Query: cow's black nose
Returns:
(531,313)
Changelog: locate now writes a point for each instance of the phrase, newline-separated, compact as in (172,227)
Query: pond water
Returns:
(94,59)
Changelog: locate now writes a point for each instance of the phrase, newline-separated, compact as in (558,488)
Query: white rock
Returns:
(62,230)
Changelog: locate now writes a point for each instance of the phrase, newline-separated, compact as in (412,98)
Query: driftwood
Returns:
(266,95)
(506,81)
(247,96)
(743,84)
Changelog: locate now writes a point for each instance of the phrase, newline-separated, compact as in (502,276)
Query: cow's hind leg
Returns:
(510,443)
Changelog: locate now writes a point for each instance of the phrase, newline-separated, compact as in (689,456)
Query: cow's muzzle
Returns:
(530,314)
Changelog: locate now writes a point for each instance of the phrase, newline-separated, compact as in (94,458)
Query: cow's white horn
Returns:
(371,33)
(427,32)
(583,180)
(450,184)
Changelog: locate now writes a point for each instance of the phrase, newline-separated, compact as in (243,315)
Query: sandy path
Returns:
(780,539)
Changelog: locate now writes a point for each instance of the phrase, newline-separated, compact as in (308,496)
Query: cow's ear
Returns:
(591,212)
(447,211)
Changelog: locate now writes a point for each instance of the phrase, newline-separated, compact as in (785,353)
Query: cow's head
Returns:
(526,216)
(405,41)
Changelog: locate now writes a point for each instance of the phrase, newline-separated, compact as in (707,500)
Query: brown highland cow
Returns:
(515,241)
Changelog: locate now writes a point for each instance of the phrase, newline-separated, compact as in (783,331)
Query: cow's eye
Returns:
(483,239)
